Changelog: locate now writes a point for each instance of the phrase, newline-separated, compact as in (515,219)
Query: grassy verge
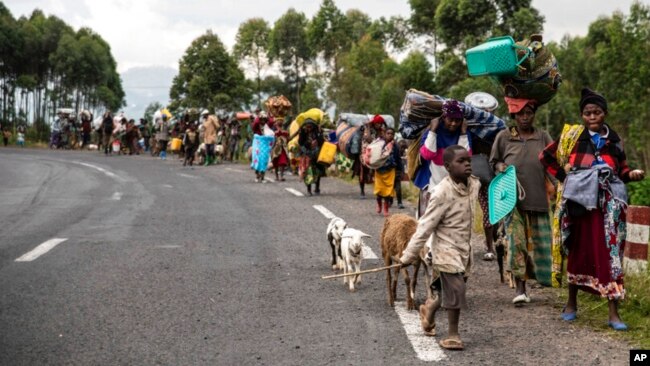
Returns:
(634,310)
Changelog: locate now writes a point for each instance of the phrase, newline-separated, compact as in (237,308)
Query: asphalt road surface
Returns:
(157,264)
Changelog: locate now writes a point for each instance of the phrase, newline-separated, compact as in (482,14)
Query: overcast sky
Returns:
(157,32)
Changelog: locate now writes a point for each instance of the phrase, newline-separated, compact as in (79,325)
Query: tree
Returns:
(464,23)
(518,19)
(358,23)
(252,45)
(206,70)
(46,65)
(355,87)
(415,71)
(328,33)
(423,22)
(151,110)
(289,46)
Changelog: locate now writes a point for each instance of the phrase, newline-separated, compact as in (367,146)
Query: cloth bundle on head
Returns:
(589,96)
(451,109)
(517,104)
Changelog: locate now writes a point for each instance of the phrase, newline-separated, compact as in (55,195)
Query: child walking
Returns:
(385,176)
(448,217)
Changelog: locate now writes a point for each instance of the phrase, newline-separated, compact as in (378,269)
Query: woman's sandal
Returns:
(452,344)
(568,316)
(489,256)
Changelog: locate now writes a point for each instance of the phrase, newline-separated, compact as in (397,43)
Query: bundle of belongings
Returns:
(278,106)
(349,131)
(538,77)
(419,108)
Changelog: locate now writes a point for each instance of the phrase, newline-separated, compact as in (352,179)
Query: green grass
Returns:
(634,310)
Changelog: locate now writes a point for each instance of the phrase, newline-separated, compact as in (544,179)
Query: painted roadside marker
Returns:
(636,242)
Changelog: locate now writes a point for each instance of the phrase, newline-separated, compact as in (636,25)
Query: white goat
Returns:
(351,250)
(334,232)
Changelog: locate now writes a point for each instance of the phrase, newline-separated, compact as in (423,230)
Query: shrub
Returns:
(639,192)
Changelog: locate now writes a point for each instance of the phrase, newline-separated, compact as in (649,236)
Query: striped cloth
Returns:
(529,245)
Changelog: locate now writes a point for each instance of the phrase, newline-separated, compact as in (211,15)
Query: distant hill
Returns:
(144,85)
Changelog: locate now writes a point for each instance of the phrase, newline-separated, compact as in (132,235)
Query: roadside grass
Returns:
(634,310)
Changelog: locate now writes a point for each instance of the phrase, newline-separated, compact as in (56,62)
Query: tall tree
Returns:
(206,71)
(415,72)
(290,47)
(251,46)
(358,23)
(328,33)
(423,22)
(464,23)
(355,87)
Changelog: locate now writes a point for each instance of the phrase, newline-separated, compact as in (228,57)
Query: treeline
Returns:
(344,60)
(46,65)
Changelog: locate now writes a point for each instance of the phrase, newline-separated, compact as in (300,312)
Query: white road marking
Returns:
(167,246)
(40,250)
(426,348)
(167,186)
(368,253)
(188,176)
(116,196)
(295,192)
(270,179)
(236,170)
(327,213)
(98,168)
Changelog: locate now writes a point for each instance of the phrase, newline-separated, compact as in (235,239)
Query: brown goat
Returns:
(395,236)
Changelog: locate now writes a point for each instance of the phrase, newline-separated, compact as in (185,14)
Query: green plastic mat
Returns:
(502,194)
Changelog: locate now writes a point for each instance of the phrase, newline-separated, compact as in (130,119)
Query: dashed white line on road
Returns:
(188,176)
(236,170)
(270,180)
(327,213)
(368,253)
(167,186)
(295,192)
(116,196)
(108,173)
(426,348)
(40,250)
(167,246)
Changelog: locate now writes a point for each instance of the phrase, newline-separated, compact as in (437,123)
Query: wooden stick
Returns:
(362,272)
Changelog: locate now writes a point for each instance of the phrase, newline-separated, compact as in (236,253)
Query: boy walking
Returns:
(447,221)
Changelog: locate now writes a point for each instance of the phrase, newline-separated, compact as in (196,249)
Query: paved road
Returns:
(163,265)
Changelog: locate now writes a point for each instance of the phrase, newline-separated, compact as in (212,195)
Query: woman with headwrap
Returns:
(590,162)
(310,141)
(452,131)
(528,226)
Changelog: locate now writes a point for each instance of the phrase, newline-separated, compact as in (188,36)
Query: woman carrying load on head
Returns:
(450,129)
(590,158)
(528,226)
(310,141)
